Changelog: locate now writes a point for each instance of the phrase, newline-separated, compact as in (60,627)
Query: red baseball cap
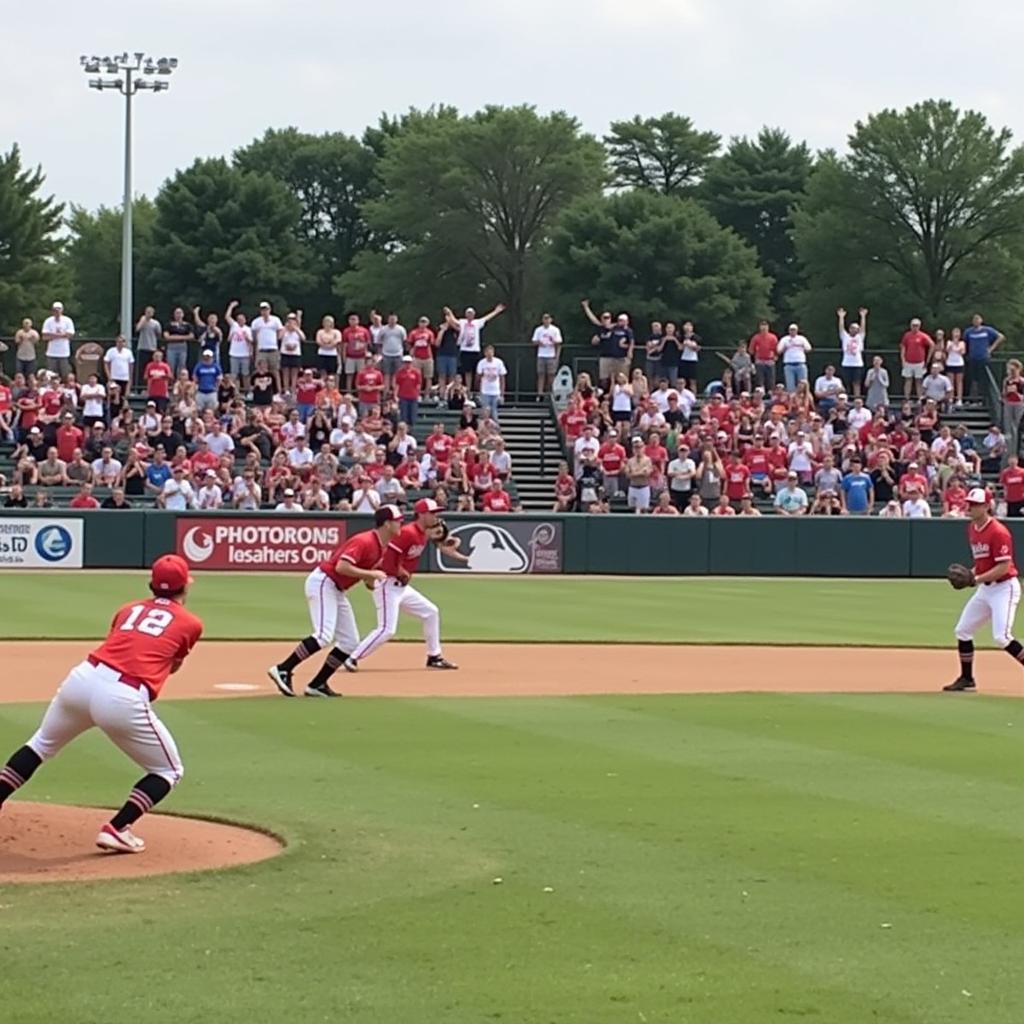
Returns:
(393,513)
(425,506)
(170,574)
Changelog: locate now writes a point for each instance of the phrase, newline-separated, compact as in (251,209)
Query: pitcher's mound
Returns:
(56,843)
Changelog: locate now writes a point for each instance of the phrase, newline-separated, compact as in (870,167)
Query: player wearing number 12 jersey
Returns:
(113,690)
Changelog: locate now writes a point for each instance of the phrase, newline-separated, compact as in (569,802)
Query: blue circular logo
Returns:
(53,543)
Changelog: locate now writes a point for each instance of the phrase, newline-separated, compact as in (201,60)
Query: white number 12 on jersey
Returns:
(153,623)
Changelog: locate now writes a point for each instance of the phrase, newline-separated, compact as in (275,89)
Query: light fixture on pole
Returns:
(128,74)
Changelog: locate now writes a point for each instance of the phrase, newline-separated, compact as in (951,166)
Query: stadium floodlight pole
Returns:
(124,73)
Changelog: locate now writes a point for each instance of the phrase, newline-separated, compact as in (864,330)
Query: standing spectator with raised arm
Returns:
(240,345)
(915,350)
(982,340)
(470,329)
(267,330)
(793,347)
(852,339)
(58,330)
(613,341)
(547,340)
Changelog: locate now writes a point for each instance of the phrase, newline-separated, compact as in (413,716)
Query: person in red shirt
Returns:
(6,412)
(440,446)
(737,478)
(718,410)
(465,437)
(396,594)
(664,506)
(112,689)
(496,499)
(658,454)
(369,383)
(84,498)
(778,459)
(954,499)
(724,508)
(422,343)
(69,437)
(913,480)
(158,381)
(915,350)
(756,459)
(355,342)
(307,388)
(1012,479)
(356,560)
(572,421)
(998,589)
(611,457)
(763,349)
(408,386)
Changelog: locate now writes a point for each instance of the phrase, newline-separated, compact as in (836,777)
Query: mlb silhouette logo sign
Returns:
(519,546)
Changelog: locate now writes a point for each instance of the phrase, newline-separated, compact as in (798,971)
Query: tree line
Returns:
(922,216)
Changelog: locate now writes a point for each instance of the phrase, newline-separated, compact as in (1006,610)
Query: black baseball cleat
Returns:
(321,691)
(960,685)
(282,680)
(439,661)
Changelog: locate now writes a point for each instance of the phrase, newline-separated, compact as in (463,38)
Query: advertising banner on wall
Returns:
(509,546)
(270,543)
(41,543)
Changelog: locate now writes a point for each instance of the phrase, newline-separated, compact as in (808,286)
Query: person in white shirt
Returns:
(150,419)
(827,389)
(891,511)
(470,328)
(801,456)
(547,339)
(94,396)
(240,345)
(390,488)
(58,330)
(694,507)
(659,396)
(119,361)
(365,498)
(246,494)
(500,460)
(858,416)
(681,471)
(210,495)
(342,434)
(915,507)
(300,457)
(177,494)
(106,469)
(218,441)
(793,347)
(853,340)
(490,376)
(289,504)
(267,330)
(587,442)
(937,386)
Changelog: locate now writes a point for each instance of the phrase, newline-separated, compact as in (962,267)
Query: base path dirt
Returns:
(54,843)
(32,670)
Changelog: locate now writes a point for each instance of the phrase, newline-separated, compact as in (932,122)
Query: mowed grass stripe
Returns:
(240,606)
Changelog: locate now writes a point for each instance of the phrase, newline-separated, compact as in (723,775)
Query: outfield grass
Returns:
(840,859)
(240,606)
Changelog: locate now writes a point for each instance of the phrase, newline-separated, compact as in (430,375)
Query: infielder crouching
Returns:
(998,593)
(334,623)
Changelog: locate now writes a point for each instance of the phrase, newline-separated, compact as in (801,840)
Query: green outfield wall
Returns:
(615,544)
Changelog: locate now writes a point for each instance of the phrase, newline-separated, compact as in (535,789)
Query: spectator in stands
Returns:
(116,500)
(1013,403)
(954,499)
(246,493)
(654,347)
(52,470)
(157,376)
(119,362)
(315,497)
(6,411)
(852,340)
(267,332)
(84,498)
(106,470)
(614,342)
(207,332)
(663,506)
(915,506)
(695,507)
(369,384)
(747,506)
(158,472)
(68,437)
(587,443)
(791,499)
(149,333)
(916,347)
(710,474)
(857,490)
(764,347)
(133,478)
(793,347)
(94,396)
(422,342)
(207,376)
(288,502)
(982,340)
(611,457)
(447,357)
(689,356)
(955,355)
(827,389)
(26,351)
(723,507)
(409,387)
(58,331)
(621,406)
(470,328)
(16,497)
(589,485)
(491,376)
(994,449)
(565,490)
(178,334)
(78,470)
(496,498)
(500,460)
(178,494)
(639,470)
(355,348)
(826,503)
(937,387)
(292,338)
(1012,481)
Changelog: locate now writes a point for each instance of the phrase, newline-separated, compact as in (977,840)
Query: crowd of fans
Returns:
(167,423)
(837,446)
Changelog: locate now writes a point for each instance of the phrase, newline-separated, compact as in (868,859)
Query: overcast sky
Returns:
(811,66)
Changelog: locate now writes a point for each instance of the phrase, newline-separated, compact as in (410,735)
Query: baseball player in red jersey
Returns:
(355,561)
(998,593)
(113,690)
(396,594)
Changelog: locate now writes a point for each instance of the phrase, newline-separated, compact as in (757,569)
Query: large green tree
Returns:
(664,154)
(924,217)
(29,243)
(659,257)
(468,203)
(332,176)
(92,260)
(222,233)
(754,188)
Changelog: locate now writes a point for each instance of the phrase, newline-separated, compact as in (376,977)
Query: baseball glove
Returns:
(960,576)
(438,533)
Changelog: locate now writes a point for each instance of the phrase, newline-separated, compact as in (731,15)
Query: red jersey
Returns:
(764,346)
(421,343)
(204,461)
(147,639)
(991,544)
(757,461)
(405,550)
(440,447)
(356,342)
(736,481)
(364,551)
(5,398)
(915,345)
(158,379)
(306,392)
(68,439)
(496,501)
(956,499)
(573,421)
(1013,483)
(719,412)
(612,457)
(368,380)
(409,382)
(465,437)
(51,402)
(83,501)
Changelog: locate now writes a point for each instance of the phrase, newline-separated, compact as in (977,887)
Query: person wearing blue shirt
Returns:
(982,340)
(157,473)
(857,492)
(207,375)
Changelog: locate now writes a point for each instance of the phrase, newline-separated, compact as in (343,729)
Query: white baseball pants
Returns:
(93,695)
(995,601)
(390,598)
(333,620)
